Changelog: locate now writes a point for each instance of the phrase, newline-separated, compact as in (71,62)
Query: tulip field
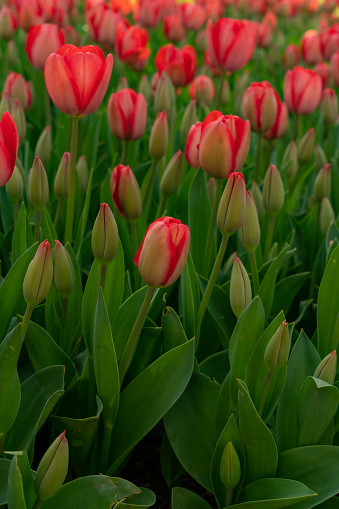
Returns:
(169,254)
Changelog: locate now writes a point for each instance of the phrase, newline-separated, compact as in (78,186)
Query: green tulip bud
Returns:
(123,83)
(19,164)
(43,147)
(158,140)
(105,237)
(145,88)
(305,148)
(15,186)
(170,179)
(165,96)
(327,368)
(189,118)
(326,215)
(63,273)
(277,350)
(290,160)
(230,468)
(322,184)
(39,275)
(249,232)
(258,199)
(5,104)
(329,106)
(12,56)
(61,181)
(240,288)
(82,172)
(232,204)
(273,191)
(37,185)
(319,157)
(19,118)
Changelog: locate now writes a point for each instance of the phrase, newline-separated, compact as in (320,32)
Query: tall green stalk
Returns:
(211,228)
(71,189)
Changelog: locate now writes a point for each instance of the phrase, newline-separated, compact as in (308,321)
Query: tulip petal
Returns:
(310,98)
(5,165)
(99,91)
(153,263)
(86,69)
(138,118)
(9,136)
(61,85)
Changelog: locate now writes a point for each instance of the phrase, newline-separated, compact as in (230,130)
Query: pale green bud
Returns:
(189,118)
(232,204)
(327,368)
(61,181)
(19,118)
(158,140)
(249,232)
(39,275)
(240,288)
(43,147)
(258,199)
(37,185)
(326,215)
(83,175)
(15,186)
(290,160)
(63,273)
(145,88)
(322,183)
(277,350)
(105,237)
(319,157)
(230,468)
(306,145)
(170,180)
(273,191)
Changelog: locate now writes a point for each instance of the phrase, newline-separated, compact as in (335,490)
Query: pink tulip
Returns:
(131,46)
(302,90)
(17,88)
(42,40)
(193,140)
(173,28)
(202,89)
(280,126)
(125,192)
(193,15)
(179,64)
(260,106)
(329,41)
(334,68)
(310,47)
(9,143)
(127,114)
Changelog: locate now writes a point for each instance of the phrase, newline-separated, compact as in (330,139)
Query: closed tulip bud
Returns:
(163,252)
(63,273)
(105,237)
(82,172)
(15,186)
(258,199)
(322,184)
(19,118)
(212,189)
(37,185)
(52,468)
(61,181)
(123,83)
(260,106)
(158,140)
(250,229)
(232,205)
(329,106)
(193,139)
(21,168)
(230,468)
(290,160)
(277,350)
(326,215)
(189,119)
(8,23)
(5,103)
(327,368)
(320,158)
(39,275)
(145,88)
(43,148)
(202,90)
(165,96)
(126,193)
(12,56)
(170,180)
(240,288)
(306,145)
(273,191)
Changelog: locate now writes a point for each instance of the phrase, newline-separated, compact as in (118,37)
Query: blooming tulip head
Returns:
(9,144)
(179,64)
(173,28)
(42,40)
(125,192)
(329,41)
(260,106)
(163,252)
(17,88)
(131,46)
(193,15)
(302,90)
(310,47)
(127,114)
(334,68)
(77,78)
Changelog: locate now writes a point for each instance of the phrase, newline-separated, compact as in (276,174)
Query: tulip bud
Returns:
(326,215)
(159,137)
(63,273)
(145,88)
(105,237)
(12,56)
(329,106)
(15,186)
(250,229)
(43,147)
(202,90)
(212,189)
(232,204)
(193,139)
(322,184)
(305,148)
(240,288)
(327,368)
(170,179)
(290,160)
(19,118)
(5,103)
(273,191)
(82,172)
(230,468)
(126,193)
(164,97)
(37,185)
(61,181)
(277,350)
(52,468)
(189,118)
(260,106)
(39,275)
(258,199)
(319,157)
(7,23)
(123,83)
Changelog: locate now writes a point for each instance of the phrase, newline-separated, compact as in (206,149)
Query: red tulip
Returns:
(163,252)
(127,114)
(230,43)
(30,13)
(17,88)
(9,143)
(173,28)
(325,72)
(125,192)
(202,89)
(310,47)
(77,78)
(334,68)
(131,46)
(263,35)
(193,139)
(42,40)
(329,41)
(260,106)
(8,23)
(149,12)
(193,15)
(102,23)
(302,90)
(280,126)
(180,65)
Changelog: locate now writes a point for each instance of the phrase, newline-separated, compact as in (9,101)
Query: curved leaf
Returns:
(144,500)
(186,499)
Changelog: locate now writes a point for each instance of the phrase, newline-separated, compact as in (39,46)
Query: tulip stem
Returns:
(255,275)
(269,237)
(264,392)
(71,189)
(229,497)
(160,208)
(124,152)
(134,336)
(134,239)
(257,167)
(103,273)
(149,185)
(211,228)
(63,336)
(220,90)
(26,319)
(268,153)
(37,503)
(37,225)
(210,285)
(58,214)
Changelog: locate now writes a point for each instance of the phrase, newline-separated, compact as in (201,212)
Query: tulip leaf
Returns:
(143,500)
(39,394)
(223,410)
(4,471)
(316,466)
(47,226)
(92,492)
(84,216)
(173,333)
(148,397)
(286,291)
(216,366)
(9,380)
(332,503)
(23,472)
(190,428)
(274,494)
(15,488)
(188,296)
(147,351)
(19,234)
(303,361)
(11,289)
(328,307)
(260,449)
(171,468)
(186,499)
(6,209)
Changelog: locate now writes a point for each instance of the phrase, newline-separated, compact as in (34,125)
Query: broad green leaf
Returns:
(148,397)
(9,380)
(286,291)
(27,477)
(143,500)
(170,466)
(15,488)
(4,470)
(74,305)
(84,217)
(91,492)
(260,448)
(186,499)
(23,476)
(47,226)
(216,366)
(223,410)
(173,333)
(147,351)
(190,428)
(332,503)
(19,234)
(188,297)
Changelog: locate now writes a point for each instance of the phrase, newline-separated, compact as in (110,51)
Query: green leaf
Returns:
(9,380)
(15,489)
(148,397)
(11,289)
(147,351)
(328,307)
(4,471)
(170,466)
(216,366)
(223,410)
(47,226)
(74,305)
(39,394)
(188,296)
(186,499)
(143,500)
(332,503)
(190,428)
(19,234)
(92,492)
(84,217)
(260,448)
(286,291)
(173,333)
(274,494)
(27,477)
(316,466)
